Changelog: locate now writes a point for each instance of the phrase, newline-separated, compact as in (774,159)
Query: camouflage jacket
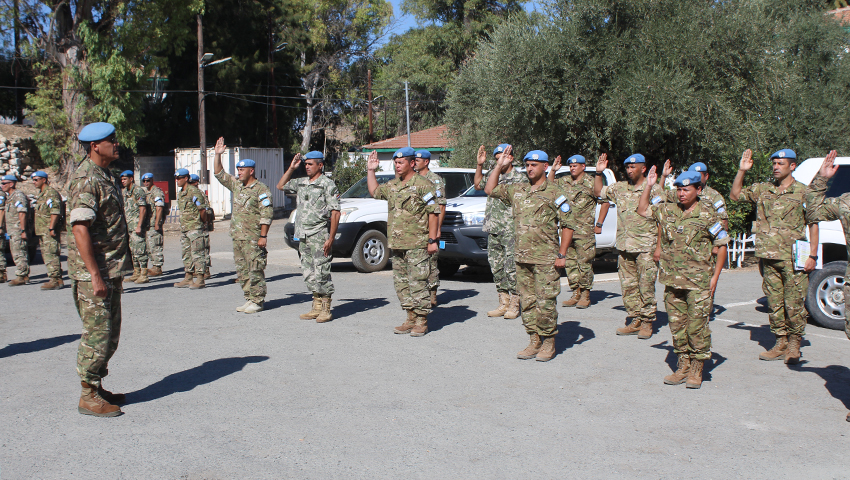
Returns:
(135,197)
(47,204)
(709,195)
(635,233)
(582,202)
(828,209)
(686,243)
(3,208)
(155,198)
(498,215)
(409,205)
(191,202)
(781,218)
(252,207)
(439,186)
(16,203)
(538,213)
(95,196)
(316,201)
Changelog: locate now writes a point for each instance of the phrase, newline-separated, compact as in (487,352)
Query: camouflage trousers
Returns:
(2,249)
(538,286)
(250,269)
(434,276)
(410,279)
(315,266)
(192,244)
(139,249)
(207,258)
(638,271)
(687,312)
(101,328)
(50,253)
(19,253)
(154,241)
(785,290)
(500,255)
(579,262)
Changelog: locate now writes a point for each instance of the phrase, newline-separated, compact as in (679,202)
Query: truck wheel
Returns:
(371,252)
(825,298)
(447,269)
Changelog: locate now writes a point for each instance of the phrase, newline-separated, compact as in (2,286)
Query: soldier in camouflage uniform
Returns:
(136,212)
(48,209)
(636,241)
(193,213)
(156,217)
(316,222)
(413,215)
(498,223)
(578,187)
(690,231)
(708,194)
(782,219)
(249,227)
(17,206)
(208,225)
(98,258)
(421,163)
(3,235)
(541,217)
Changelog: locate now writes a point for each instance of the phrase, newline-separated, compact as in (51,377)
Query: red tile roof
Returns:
(435,137)
(842,14)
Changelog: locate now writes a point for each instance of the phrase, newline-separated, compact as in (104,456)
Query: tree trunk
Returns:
(73,104)
(310,83)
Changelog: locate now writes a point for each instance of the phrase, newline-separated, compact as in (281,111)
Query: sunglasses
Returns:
(147,180)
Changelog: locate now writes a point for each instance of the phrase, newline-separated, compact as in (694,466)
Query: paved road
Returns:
(216,394)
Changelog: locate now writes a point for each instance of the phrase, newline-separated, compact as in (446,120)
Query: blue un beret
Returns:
(537,155)
(147,176)
(404,152)
(10,178)
(194,178)
(40,174)
(576,159)
(315,154)
(501,148)
(127,173)
(635,158)
(784,153)
(247,163)
(688,177)
(95,131)
(423,154)
(181,172)
(698,167)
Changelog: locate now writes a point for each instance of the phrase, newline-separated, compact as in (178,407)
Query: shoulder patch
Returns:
(721,210)
(722,235)
(716,229)
(438,193)
(656,200)
(428,197)
(263,195)
(718,205)
(266,202)
(50,202)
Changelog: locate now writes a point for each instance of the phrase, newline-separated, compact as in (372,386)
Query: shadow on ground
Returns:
(836,380)
(570,334)
(444,316)
(350,306)
(36,345)
(187,380)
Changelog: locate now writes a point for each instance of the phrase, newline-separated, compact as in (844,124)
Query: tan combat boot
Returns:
(199,283)
(134,276)
(547,349)
(187,280)
(243,307)
(630,329)
(532,349)
(434,297)
(3,276)
(421,327)
(254,308)
(155,271)
(695,374)
(325,313)
(91,403)
(19,281)
(52,284)
(408,324)
(778,350)
(315,310)
(513,308)
(584,301)
(792,353)
(678,377)
(207,275)
(504,298)
(574,299)
(142,278)
(645,330)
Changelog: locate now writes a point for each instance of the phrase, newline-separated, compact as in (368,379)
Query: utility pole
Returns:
(19,105)
(407,112)
(202,123)
(369,92)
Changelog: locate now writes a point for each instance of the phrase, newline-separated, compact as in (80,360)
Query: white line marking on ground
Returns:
(740,304)
(753,325)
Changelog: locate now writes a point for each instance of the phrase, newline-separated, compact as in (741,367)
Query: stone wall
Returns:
(18,156)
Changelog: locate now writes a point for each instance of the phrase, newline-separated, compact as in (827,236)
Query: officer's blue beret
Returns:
(181,172)
(537,155)
(698,167)
(95,131)
(315,154)
(501,148)
(127,173)
(404,152)
(784,153)
(194,178)
(247,163)
(40,174)
(10,178)
(635,158)
(423,154)
(688,177)
(576,159)
(147,176)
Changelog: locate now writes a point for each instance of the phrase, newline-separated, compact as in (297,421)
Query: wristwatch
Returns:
(561,257)
(432,240)
(598,224)
(813,257)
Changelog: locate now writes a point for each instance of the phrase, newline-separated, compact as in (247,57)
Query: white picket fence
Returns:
(738,247)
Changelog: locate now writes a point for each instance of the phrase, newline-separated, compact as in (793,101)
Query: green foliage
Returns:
(53,134)
(348,173)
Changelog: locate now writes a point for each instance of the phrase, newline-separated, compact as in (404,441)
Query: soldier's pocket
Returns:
(259,259)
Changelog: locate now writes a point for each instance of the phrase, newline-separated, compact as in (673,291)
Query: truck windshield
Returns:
(840,183)
(472,192)
(361,190)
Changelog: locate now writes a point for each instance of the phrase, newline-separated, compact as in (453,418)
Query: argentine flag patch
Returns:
(50,202)
(716,229)
(428,198)
(264,195)
(656,200)
(718,205)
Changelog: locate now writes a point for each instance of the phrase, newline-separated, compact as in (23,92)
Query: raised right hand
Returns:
(556,165)
(668,169)
(373,162)
(602,163)
(746,160)
(828,168)
(652,176)
(220,147)
(296,162)
(482,156)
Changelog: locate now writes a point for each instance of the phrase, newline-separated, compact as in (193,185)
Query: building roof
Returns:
(842,15)
(435,138)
